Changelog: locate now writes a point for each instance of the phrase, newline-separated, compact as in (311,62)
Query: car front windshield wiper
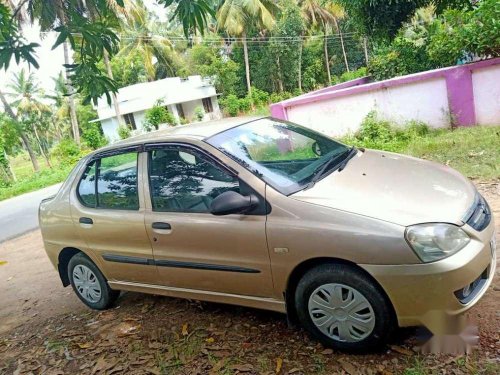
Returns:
(344,157)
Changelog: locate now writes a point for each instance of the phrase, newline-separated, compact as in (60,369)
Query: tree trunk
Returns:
(327,59)
(118,115)
(45,156)
(71,99)
(280,75)
(339,31)
(365,48)
(23,137)
(343,48)
(8,168)
(247,65)
(300,64)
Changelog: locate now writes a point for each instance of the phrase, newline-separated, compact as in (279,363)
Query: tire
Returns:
(357,318)
(89,284)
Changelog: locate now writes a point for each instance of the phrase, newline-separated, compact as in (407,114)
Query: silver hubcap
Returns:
(86,283)
(341,312)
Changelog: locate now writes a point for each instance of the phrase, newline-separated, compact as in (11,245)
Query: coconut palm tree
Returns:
(24,138)
(144,34)
(48,14)
(325,15)
(235,17)
(26,94)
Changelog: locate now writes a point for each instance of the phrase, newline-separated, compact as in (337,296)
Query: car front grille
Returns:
(479,216)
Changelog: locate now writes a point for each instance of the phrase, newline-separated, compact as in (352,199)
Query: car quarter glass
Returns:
(284,155)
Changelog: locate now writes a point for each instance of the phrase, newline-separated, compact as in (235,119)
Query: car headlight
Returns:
(432,242)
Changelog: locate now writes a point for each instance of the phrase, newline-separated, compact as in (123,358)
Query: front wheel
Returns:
(89,283)
(342,308)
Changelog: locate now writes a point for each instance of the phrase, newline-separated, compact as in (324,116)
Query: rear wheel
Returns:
(89,283)
(342,308)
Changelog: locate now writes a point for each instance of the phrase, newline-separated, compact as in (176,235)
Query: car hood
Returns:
(394,188)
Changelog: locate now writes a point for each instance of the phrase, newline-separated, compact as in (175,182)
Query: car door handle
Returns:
(86,220)
(160,225)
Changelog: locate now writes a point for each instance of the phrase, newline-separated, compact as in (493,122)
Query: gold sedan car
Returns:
(260,212)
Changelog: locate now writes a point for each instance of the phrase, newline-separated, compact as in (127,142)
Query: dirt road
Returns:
(45,329)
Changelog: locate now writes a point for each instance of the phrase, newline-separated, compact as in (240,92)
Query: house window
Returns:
(130,120)
(180,110)
(207,105)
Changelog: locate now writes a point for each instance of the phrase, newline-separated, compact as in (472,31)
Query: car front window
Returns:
(284,155)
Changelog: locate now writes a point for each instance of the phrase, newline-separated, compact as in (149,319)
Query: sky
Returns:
(51,61)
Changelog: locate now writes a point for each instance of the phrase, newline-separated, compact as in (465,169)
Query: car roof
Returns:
(200,130)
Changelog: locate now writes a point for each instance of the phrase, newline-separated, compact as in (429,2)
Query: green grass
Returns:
(475,151)
(28,180)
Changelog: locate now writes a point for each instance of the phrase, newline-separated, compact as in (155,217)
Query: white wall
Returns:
(110,129)
(426,101)
(486,89)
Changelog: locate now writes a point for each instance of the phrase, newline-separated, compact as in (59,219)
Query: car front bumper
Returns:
(418,290)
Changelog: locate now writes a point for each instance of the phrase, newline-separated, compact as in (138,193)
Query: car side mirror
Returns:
(316,149)
(231,202)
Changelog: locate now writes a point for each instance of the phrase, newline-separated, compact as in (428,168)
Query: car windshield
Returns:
(285,155)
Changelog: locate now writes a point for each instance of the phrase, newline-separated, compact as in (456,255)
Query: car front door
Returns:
(193,248)
(108,212)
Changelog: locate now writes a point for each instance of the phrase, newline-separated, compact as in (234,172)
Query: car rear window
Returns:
(116,186)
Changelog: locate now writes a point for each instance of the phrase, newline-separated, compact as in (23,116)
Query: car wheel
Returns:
(343,308)
(89,283)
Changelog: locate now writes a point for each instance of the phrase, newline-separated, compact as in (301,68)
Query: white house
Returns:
(180,96)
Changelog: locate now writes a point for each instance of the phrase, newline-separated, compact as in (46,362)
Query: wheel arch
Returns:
(309,264)
(63,261)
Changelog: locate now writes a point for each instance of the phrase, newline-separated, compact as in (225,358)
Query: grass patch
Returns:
(473,151)
(28,180)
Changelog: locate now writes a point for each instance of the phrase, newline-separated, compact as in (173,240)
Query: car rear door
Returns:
(192,248)
(108,211)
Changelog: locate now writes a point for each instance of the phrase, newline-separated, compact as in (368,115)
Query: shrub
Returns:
(183,121)
(158,115)
(124,131)
(258,97)
(199,113)
(429,42)
(231,105)
(275,97)
(374,129)
(348,76)
(93,137)
(244,104)
(401,57)
(66,152)
(417,128)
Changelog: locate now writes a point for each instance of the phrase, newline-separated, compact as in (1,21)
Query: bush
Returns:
(374,129)
(382,134)
(231,105)
(429,42)
(124,131)
(244,104)
(401,57)
(66,152)
(93,137)
(158,115)
(199,113)
(348,76)
(258,97)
